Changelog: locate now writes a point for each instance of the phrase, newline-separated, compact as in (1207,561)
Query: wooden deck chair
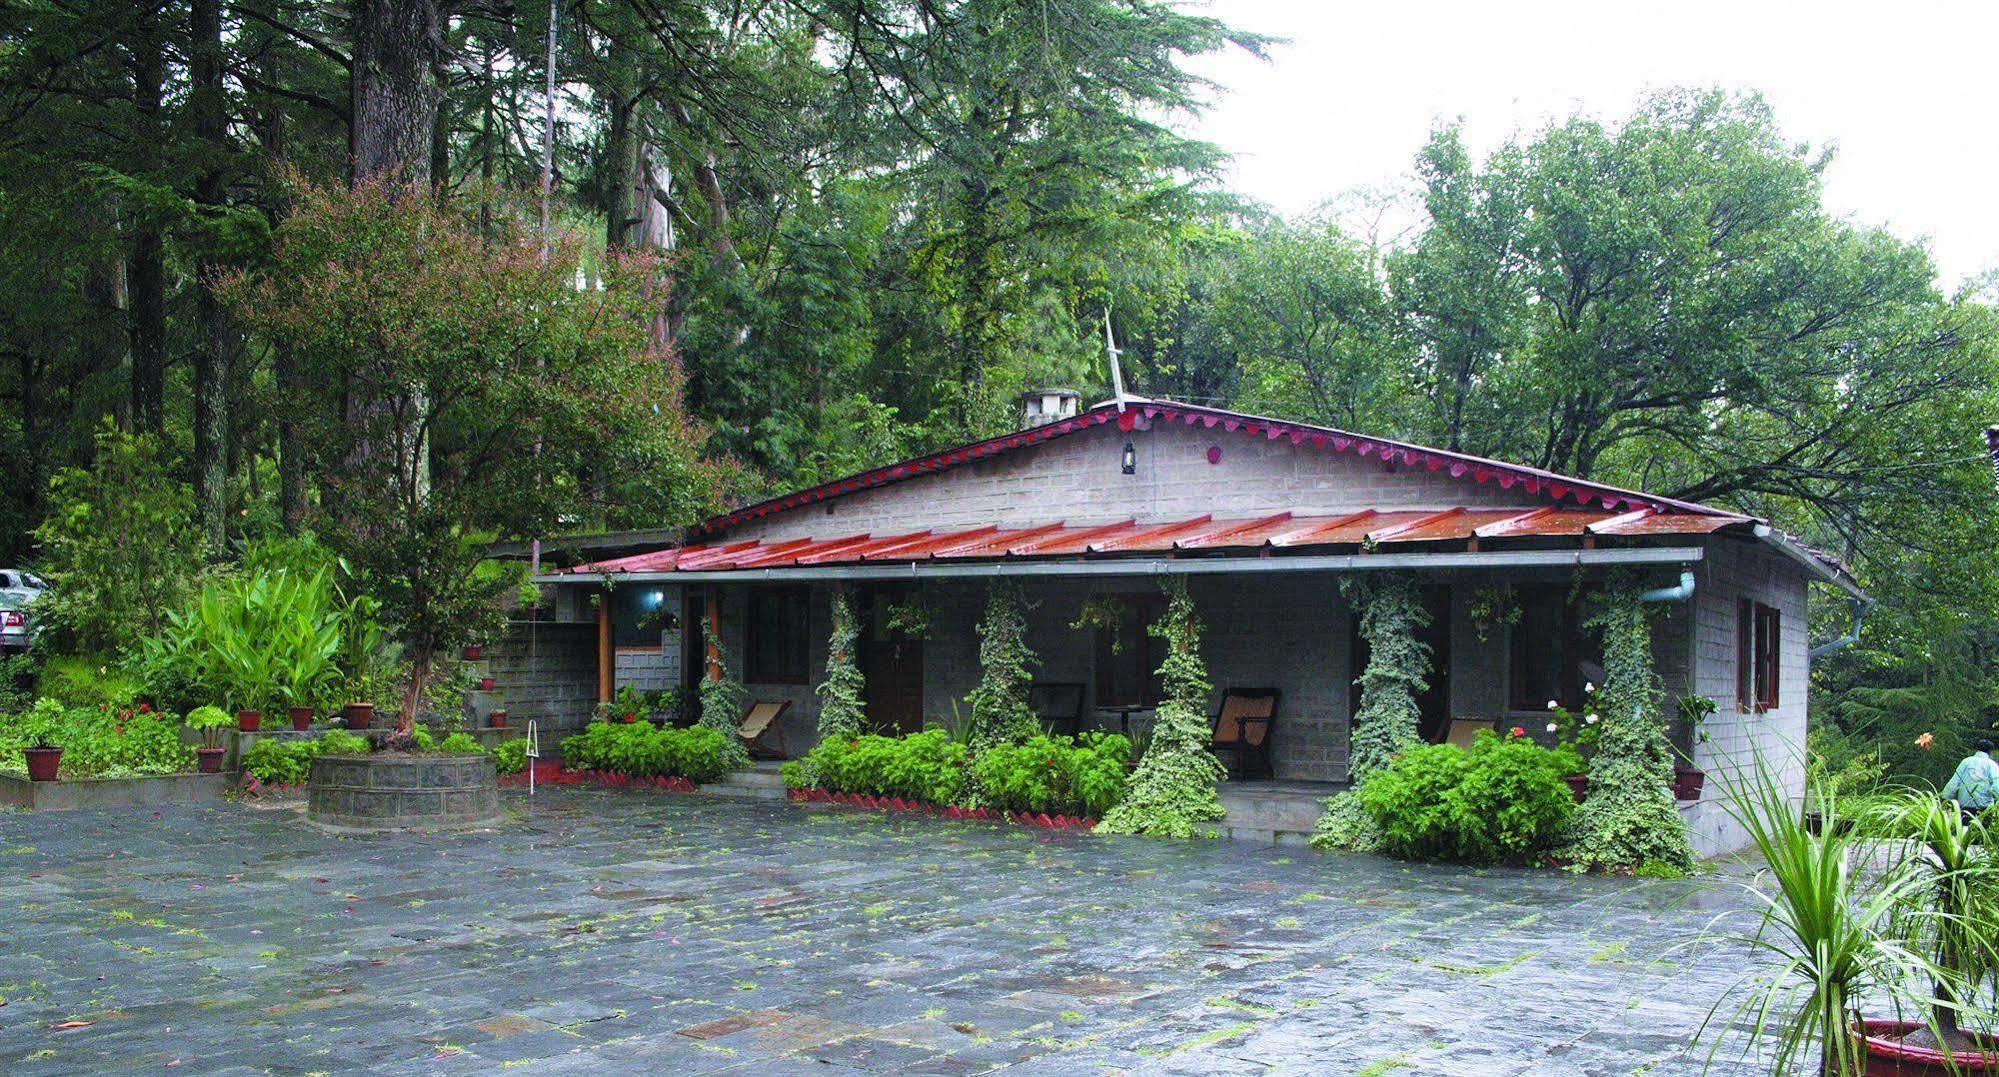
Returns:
(1463,731)
(1059,706)
(761,733)
(1242,731)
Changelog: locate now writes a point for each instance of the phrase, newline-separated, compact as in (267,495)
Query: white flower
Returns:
(1552,727)
(1590,718)
(1589,686)
(1554,706)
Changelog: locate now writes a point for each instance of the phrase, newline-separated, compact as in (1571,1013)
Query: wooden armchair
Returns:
(1242,731)
(762,736)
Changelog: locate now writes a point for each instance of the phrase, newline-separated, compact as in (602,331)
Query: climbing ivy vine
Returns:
(1629,820)
(722,699)
(842,713)
(1001,711)
(1174,789)
(1392,619)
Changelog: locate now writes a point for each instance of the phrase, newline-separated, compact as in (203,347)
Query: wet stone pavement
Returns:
(612,931)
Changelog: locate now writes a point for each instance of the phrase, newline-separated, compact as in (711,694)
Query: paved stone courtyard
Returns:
(607,931)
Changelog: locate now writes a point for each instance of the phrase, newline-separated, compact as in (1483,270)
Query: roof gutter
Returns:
(1859,607)
(1775,539)
(1152,566)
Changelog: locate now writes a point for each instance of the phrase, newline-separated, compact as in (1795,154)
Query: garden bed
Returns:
(82,794)
(396,791)
(875,803)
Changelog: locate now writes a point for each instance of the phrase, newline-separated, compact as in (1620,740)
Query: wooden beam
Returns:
(606,662)
(712,596)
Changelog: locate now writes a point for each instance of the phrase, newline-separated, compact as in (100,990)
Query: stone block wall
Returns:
(546,671)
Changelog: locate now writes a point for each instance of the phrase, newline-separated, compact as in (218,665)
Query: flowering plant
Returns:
(1578,730)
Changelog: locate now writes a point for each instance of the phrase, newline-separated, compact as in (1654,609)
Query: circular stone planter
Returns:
(394,791)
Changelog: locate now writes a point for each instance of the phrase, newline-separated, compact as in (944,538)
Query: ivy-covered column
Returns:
(722,694)
(1392,619)
(1628,819)
(842,712)
(1174,789)
(1001,711)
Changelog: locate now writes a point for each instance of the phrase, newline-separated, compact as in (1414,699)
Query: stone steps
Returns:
(1283,813)
(760,782)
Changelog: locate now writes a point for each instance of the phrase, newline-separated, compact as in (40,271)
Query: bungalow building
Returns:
(1263,517)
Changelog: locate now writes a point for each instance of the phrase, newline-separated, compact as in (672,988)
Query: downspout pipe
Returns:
(1680,593)
(1859,607)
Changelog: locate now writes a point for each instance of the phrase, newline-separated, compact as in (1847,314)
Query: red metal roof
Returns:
(1558,489)
(1199,533)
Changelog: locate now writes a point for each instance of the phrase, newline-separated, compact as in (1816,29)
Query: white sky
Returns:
(1908,92)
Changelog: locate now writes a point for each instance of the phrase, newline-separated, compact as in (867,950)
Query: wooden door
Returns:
(891,663)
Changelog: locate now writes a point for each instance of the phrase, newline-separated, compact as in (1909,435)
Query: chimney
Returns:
(1039,407)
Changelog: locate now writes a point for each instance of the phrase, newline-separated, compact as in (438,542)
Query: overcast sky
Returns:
(1909,93)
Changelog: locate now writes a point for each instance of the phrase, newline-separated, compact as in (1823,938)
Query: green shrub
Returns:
(341,742)
(927,766)
(107,742)
(511,756)
(461,744)
(421,738)
(1064,776)
(86,681)
(1501,801)
(209,721)
(279,762)
(642,750)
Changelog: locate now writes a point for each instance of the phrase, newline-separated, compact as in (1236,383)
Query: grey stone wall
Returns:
(1077,479)
(546,671)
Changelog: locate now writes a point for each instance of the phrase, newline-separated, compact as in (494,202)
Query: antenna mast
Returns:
(1117,372)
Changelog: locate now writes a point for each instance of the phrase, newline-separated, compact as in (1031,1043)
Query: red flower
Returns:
(1516,731)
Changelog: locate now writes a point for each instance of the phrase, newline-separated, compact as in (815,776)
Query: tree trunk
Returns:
(398,51)
(147,282)
(211,370)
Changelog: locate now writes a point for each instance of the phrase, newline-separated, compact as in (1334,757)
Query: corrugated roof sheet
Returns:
(1058,540)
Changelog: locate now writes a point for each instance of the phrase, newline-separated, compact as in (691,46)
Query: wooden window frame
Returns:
(1759,672)
(757,664)
(1571,690)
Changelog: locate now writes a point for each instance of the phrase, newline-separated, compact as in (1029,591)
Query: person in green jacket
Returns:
(1975,786)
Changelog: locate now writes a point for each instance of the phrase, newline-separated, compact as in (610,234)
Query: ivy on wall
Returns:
(1001,711)
(1392,619)
(1174,788)
(842,712)
(722,699)
(1628,820)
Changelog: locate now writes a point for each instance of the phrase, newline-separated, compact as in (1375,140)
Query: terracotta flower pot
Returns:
(1578,786)
(485,684)
(472,653)
(359,715)
(1888,1056)
(209,760)
(248,721)
(1688,782)
(301,718)
(498,719)
(43,763)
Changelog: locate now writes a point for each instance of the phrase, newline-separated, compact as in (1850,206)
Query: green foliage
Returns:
(511,756)
(461,744)
(643,750)
(267,636)
(1629,817)
(928,766)
(1502,801)
(722,701)
(1001,713)
(1952,909)
(286,761)
(118,549)
(341,742)
(1173,791)
(1084,776)
(842,712)
(209,720)
(1392,619)
(85,680)
(108,742)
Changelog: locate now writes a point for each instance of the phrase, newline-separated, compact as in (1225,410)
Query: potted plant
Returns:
(249,720)
(301,718)
(1950,915)
(42,729)
(209,722)
(1576,734)
(1833,940)
(472,652)
(1690,780)
(499,719)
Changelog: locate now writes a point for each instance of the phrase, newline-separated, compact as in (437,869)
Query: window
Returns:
(1433,704)
(1553,653)
(1757,631)
(640,617)
(777,636)
(1129,657)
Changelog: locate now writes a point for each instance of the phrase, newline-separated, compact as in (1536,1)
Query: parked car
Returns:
(18,591)
(18,583)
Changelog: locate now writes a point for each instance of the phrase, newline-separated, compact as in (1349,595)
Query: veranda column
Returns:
(605,665)
(711,639)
